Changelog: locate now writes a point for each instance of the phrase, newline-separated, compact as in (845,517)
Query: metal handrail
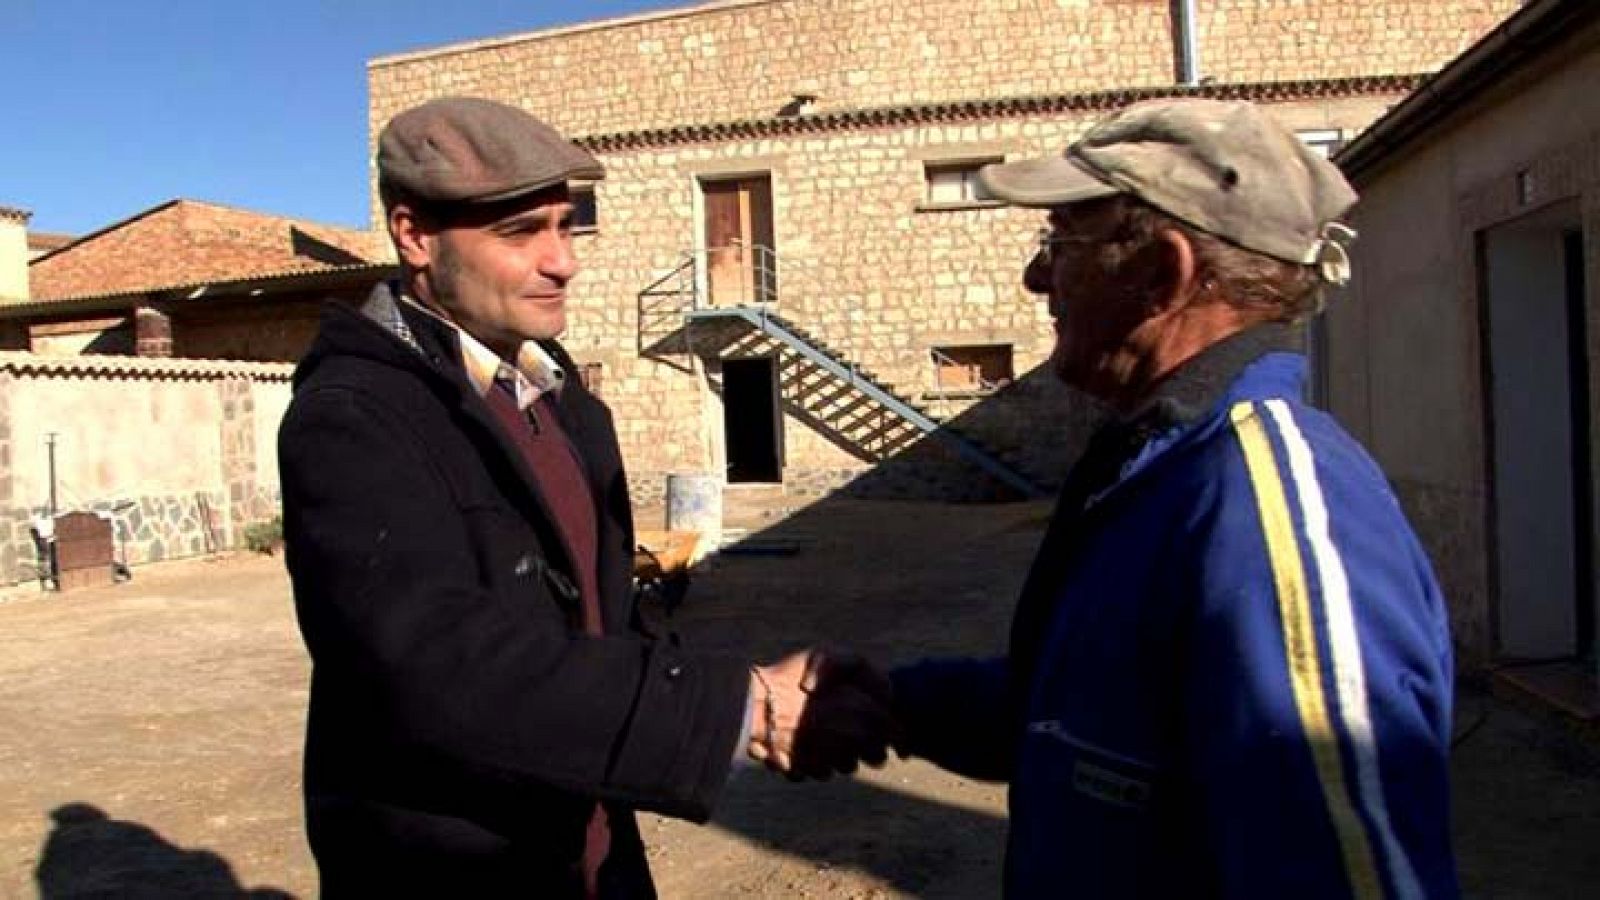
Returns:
(761,291)
(940,391)
(649,298)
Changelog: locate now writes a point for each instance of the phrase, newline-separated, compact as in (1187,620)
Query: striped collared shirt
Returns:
(533,375)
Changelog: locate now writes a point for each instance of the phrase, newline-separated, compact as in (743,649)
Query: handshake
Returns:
(813,714)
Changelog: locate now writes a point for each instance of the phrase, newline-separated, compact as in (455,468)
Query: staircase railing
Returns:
(663,302)
(831,362)
(941,393)
(761,290)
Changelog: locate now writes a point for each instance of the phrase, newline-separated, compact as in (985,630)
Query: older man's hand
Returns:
(819,713)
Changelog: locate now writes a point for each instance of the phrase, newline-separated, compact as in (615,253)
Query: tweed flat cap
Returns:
(467,150)
(1223,167)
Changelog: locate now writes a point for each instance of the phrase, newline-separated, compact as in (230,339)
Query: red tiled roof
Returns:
(312,275)
(185,242)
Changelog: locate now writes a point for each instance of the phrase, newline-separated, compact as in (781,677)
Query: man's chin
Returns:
(543,328)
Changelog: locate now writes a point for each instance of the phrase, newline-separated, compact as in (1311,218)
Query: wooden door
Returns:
(738,218)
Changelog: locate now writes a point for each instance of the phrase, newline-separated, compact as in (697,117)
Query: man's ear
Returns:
(1177,284)
(411,239)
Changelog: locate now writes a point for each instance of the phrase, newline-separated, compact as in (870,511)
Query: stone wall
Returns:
(865,263)
(746,60)
(173,447)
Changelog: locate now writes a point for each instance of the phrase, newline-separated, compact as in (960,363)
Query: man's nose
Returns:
(556,259)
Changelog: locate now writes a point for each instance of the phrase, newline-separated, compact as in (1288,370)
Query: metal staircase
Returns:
(874,411)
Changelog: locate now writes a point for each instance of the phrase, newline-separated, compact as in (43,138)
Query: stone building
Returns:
(785,175)
(190,279)
(1465,354)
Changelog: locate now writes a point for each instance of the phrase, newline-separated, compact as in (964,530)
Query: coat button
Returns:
(524,565)
(674,671)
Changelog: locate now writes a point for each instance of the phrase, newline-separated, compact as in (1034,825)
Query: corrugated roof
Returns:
(19,363)
(998,107)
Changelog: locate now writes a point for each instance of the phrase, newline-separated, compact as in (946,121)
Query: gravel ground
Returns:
(150,732)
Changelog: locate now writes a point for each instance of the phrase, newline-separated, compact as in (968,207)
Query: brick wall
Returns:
(276,328)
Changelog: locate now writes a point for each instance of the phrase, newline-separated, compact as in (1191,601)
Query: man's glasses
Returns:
(1048,241)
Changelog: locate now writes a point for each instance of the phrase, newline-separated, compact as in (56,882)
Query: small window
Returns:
(585,209)
(955,184)
(592,375)
(1323,142)
(973,368)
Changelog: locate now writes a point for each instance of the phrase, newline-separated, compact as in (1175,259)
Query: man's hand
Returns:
(814,714)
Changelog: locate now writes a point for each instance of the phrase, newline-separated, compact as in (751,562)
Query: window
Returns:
(1323,142)
(985,367)
(955,184)
(585,209)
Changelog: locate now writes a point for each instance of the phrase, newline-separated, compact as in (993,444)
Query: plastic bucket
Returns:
(694,503)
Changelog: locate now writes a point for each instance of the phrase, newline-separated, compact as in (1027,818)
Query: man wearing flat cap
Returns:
(486,712)
(1230,669)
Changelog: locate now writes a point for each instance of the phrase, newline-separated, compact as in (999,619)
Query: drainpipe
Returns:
(1188,46)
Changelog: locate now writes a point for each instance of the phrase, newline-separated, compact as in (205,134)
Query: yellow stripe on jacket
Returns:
(1300,646)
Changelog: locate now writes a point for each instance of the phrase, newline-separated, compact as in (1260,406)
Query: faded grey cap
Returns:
(467,150)
(1225,168)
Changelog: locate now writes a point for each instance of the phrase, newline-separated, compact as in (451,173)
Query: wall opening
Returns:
(1542,487)
(984,367)
(752,420)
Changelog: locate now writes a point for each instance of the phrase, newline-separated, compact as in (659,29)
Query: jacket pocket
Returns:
(1082,814)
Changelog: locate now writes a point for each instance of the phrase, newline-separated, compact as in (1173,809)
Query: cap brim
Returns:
(1054,181)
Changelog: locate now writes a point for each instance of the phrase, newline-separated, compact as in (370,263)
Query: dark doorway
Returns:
(751,421)
(1582,462)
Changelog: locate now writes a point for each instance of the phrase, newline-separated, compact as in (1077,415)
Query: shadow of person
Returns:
(920,845)
(89,854)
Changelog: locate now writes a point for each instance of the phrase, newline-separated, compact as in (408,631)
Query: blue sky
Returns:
(114,106)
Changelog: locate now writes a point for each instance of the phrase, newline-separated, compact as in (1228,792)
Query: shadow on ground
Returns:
(90,854)
(917,845)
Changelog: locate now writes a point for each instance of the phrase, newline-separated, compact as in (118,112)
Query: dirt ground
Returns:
(150,732)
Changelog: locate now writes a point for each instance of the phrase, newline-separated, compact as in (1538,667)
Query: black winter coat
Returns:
(461,725)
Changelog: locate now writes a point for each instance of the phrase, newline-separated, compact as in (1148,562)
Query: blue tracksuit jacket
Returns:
(1230,674)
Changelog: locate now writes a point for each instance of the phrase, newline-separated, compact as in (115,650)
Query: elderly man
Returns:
(485,712)
(1230,669)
